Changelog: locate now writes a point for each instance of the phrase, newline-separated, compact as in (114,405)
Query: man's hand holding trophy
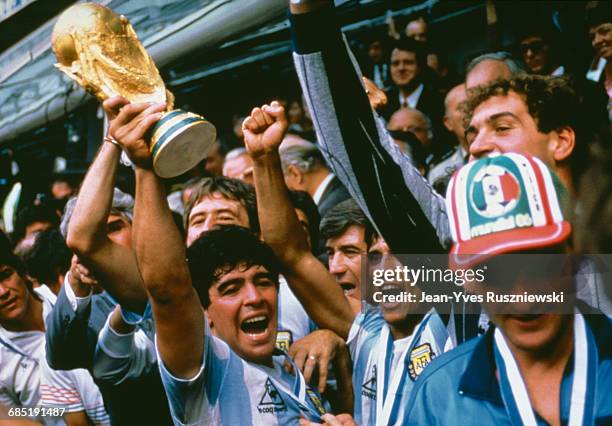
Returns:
(101,52)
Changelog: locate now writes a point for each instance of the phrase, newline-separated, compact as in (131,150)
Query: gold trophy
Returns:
(101,52)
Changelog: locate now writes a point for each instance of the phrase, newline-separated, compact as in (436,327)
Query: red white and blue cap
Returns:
(503,204)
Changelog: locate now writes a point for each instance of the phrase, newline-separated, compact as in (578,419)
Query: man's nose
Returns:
(481,147)
(337,264)
(209,223)
(252,294)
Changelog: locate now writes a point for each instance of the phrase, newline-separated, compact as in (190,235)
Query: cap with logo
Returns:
(502,204)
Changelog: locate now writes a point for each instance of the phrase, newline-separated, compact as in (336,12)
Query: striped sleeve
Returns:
(356,145)
(366,326)
(57,390)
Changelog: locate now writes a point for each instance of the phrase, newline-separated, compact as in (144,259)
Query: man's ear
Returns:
(564,143)
(447,123)
(295,175)
(209,319)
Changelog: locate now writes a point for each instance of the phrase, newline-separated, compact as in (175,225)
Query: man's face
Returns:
(536,54)
(529,326)
(295,113)
(213,210)
(503,124)
(487,71)
(61,190)
(417,30)
(345,255)
(214,161)
(14,296)
(375,52)
(404,67)
(410,120)
(380,257)
(119,230)
(601,39)
(453,118)
(242,311)
(240,167)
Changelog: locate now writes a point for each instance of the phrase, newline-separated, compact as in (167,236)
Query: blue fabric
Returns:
(231,391)
(460,387)
(71,341)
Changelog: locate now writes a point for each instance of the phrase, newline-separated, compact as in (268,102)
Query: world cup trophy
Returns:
(100,50)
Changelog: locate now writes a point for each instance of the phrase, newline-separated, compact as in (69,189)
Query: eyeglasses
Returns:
(534,46)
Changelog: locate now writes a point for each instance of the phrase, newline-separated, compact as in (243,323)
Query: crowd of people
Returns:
(243,296)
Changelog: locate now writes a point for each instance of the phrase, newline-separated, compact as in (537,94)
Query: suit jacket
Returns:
(71,341)
(334,193)
(430,103)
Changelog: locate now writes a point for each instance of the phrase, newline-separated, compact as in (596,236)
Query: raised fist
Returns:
(264,129)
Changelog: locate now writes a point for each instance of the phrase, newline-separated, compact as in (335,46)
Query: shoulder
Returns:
(447,368)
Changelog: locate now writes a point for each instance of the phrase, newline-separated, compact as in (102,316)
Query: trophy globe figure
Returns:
(100,50)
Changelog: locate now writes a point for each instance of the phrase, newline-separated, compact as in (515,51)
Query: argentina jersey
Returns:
(229,390)
(293,321)
(383,367)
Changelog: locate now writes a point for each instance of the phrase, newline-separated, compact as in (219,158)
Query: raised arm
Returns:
(354,140)
(160,252)
(313,285)
(114,264)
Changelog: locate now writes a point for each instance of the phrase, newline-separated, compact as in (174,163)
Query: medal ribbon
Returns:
(386,393)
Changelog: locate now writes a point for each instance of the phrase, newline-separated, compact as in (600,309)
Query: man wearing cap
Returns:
(360,151)
(539,363)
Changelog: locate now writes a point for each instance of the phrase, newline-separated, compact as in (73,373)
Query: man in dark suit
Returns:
(305,170)
(413,87)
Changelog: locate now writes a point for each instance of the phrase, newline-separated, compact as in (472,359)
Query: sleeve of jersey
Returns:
(59,389)
(191,398)
(384,184)
(365,328)
(119,357)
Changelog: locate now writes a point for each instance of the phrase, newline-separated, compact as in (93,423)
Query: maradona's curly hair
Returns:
(551,101)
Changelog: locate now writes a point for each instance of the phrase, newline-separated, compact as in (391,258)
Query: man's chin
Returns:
(260,353)
(531,332)
(397,315)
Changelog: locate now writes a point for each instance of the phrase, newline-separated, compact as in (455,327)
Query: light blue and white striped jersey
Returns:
(384,367)
(231,391)
(293,321)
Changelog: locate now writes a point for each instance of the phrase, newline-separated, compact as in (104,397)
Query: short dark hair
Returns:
(232,189)
(49,256)
(599,14)
(8,258)
(220,250)
(407,44)
(551,101)
(343,215)
(31,214)
(302,200)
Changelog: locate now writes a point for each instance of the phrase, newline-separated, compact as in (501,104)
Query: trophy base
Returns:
(179,141)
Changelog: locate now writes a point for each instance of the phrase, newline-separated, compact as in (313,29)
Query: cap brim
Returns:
(472,252)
